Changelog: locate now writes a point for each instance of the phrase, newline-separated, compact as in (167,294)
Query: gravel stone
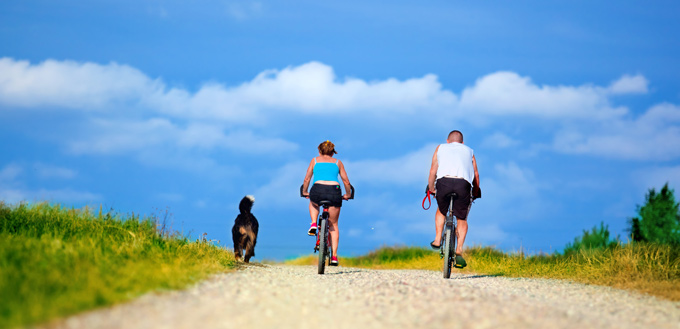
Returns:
(277,296)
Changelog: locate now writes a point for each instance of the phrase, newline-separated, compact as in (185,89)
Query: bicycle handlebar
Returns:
(351,187)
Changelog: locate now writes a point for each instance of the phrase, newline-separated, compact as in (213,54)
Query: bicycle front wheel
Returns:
(448,255)
(323,250)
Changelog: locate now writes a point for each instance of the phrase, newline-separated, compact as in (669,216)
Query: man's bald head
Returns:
(455,136)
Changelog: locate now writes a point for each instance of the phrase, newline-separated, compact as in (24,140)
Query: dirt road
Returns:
(282,297)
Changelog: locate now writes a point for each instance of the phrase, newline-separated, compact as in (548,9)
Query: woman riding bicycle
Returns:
(325,171)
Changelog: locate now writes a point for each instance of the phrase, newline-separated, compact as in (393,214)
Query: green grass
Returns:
(56,261)
(647,268)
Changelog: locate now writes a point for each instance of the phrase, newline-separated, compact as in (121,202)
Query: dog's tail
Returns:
(246,204)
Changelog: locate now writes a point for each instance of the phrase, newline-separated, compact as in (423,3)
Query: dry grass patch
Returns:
(647,268)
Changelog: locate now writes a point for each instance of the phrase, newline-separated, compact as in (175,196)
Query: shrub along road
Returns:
(276,296)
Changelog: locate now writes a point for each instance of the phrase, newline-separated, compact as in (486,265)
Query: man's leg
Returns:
(439,220)
(461,232)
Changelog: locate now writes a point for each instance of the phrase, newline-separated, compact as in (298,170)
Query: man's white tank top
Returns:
(455,160)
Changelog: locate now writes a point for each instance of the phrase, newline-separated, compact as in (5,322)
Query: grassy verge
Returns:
(647,268)
(56,262)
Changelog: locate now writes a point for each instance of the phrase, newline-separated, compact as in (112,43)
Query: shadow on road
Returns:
(344,272)
(477,276)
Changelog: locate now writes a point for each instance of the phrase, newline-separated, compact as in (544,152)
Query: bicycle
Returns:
(323,235)
(449,237)
(450,234)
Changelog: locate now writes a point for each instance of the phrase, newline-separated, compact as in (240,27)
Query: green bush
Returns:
(597,238)
(658,220)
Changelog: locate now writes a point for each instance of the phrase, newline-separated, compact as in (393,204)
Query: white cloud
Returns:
(499,140)
(243,141)
(656,177)
(10,195)
(170,197)
(198,120)
(507,93)
(62,195)
(509,191)
(629,84)
(487,234)
(50,171)
(308,88)
(12,189)
(117,136)
(243,11)
(69,84)
(10,172)
(522,180)
(284,188)
(312,88)
(655,135)
(121,136)
(408,169)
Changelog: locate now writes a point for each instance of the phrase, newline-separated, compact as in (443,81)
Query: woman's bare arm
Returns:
(345,180)
(308,178)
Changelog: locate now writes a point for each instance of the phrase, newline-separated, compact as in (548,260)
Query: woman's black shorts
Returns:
(461,206)
(332,193)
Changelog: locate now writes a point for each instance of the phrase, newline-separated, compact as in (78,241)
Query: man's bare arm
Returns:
(433,171)
(476,179)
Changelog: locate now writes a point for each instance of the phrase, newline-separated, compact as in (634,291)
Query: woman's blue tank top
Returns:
(327,171)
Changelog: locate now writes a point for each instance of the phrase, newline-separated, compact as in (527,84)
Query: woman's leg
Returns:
(334,213)
(313,211)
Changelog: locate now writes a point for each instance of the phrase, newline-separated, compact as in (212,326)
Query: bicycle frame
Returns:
(322,215)
(449,239)
(324,245)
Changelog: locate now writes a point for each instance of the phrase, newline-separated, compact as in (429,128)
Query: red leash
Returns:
(429,201)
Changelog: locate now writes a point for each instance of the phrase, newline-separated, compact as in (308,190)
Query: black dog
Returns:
(245,229)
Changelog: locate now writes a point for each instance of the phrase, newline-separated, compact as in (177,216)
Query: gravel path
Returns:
(265,296)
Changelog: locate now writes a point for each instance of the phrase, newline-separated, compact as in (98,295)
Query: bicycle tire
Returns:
(329,249)
(322,245)
(448,244)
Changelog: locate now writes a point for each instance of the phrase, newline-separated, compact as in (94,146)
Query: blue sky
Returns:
(572,108)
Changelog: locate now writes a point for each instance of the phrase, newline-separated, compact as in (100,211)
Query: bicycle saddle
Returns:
(452,195)
(325,203)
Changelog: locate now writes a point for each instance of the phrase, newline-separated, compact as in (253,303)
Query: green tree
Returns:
(658,219)
(596,238)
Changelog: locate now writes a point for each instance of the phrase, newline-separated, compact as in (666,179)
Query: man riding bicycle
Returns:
(454,169)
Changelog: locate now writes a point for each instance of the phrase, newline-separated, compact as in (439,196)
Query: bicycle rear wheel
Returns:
(448,247)
(323,250)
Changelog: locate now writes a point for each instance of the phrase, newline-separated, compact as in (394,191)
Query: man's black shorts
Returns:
(331,193)
(461,206)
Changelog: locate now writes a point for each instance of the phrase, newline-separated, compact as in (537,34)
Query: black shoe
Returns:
(434,246)
(460,261)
